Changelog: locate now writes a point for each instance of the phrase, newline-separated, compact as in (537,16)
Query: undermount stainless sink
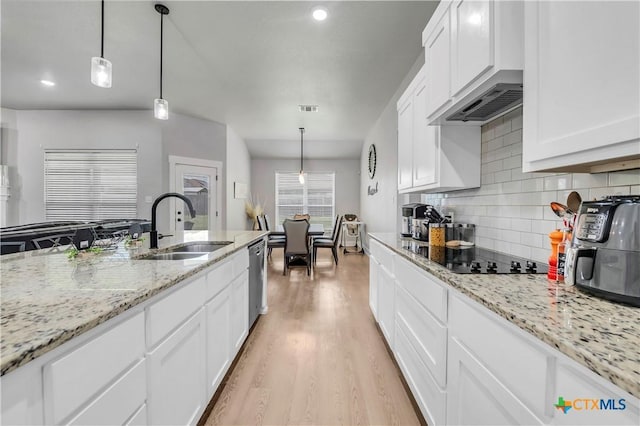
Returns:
(177,256)
(200,246)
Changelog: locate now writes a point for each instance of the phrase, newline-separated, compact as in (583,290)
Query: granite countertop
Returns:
(47,299)
(601,335)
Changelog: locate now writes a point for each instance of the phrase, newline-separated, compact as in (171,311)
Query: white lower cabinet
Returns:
(218,318)
(176,375)
(121,403)
(386,309)
(240,313)
(466,365)
(477,397)
(430,397)
(374,270)
(86,375)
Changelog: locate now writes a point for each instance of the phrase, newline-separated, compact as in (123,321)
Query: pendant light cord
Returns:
(301,147)
(161,38)
(102,32)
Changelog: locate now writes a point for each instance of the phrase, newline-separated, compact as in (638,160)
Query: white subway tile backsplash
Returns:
(495,144)
(532,185)
(557,182)
(511,209)
(503,176)
(598,193)
(494,166)
(523,225)
(503,128)
(531,240)
(512,138)
(625,177)
(587,180)
(514,162)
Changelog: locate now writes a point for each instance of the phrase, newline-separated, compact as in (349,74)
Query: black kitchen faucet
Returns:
(154,232)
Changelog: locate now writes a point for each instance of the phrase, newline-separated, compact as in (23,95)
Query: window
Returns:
(90,184)
(315,197)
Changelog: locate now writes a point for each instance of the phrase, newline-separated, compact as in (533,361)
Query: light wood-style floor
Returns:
(317,356)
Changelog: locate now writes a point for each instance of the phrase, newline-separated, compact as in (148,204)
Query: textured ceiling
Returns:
(247,64)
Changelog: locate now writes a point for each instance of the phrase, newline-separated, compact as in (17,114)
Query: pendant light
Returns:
(160,105)
(301,175)
(101,67)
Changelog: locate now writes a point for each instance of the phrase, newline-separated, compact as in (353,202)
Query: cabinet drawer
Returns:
(240,262)
(219,278)
(427,336)
(118,403)
(575,381)
(512,356)
(166,314)
(78,376)
(383,255)
(430,399)
(423,287)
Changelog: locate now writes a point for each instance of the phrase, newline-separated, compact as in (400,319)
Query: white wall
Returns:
(380,211)
(511,209)
(263,180)
(38,130)
(238,170)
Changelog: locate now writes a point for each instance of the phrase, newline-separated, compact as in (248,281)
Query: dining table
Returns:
(315,230)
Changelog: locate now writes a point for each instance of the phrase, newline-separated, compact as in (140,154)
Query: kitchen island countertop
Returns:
(601,335)
(47,299)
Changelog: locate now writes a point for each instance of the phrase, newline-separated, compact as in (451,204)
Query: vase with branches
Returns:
(253,207)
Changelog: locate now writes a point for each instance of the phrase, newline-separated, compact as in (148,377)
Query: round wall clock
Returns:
(372,161)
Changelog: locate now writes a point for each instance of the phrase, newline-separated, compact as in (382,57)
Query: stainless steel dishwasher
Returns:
(256,278)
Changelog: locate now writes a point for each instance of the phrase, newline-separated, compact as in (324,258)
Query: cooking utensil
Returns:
(573,201)
(561,210)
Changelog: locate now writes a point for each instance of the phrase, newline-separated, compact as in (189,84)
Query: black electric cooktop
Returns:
(476,260)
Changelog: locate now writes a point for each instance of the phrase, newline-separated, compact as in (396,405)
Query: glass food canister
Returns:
(437,234)
(460,235)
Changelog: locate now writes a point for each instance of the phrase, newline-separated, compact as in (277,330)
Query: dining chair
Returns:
(296,243)
(273,241)
(302,216)
(332,243)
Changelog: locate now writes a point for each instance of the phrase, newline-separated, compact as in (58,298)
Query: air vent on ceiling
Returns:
(308,108)
(499,98)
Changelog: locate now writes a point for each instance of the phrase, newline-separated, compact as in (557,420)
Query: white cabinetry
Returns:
(374,271)
(385,283)
(240,313)
(433,158)
(470,46)
(582,91)
(219,354)
(145,366)
(176,375)
(79,378)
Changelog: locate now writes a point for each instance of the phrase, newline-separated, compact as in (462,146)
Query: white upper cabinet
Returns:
(405,143)
(437,50)
(470,46)
(433,158)
(581,85)
(471,41)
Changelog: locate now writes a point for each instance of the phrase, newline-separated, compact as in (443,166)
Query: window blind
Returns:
(315,197)
(90,184)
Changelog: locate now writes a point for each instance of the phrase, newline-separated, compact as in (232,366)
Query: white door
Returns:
(198,184)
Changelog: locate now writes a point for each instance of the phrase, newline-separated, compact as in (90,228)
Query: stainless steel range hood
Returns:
(496,100)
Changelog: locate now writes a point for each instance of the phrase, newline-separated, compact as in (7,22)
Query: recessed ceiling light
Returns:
(320,13)
(47,83)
